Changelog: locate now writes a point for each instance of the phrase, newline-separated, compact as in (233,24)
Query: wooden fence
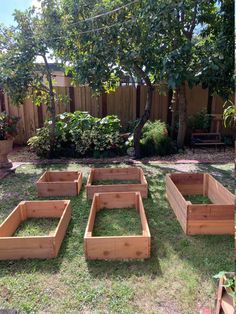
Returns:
(127,102)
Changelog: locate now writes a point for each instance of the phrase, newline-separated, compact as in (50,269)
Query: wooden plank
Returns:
(91,190)
(136,247)
(219,296)
(11,223)
(217,193)
(61,229)
(211,212)
(188,183)
(177,202)
(130,173)
(116,200)
(210,227)
(227,304)
(45,209)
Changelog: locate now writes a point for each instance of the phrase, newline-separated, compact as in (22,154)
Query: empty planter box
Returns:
(59,183)
(46,246)
(116,174)
(215,218)
(117,247)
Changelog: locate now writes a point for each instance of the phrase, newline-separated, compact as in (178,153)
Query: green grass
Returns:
(117,222)
(111,182)
(36,227)
(198,199)
(177,279)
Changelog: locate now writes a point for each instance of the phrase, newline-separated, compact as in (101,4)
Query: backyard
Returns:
(178,278)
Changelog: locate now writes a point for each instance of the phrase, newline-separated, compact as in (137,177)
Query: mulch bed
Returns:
(208,155)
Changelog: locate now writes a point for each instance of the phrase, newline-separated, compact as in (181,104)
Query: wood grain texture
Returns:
(123,174)
(41,247)
(216,218)
(59,183)
(117,247)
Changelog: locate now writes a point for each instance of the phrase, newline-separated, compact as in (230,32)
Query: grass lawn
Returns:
(177,279)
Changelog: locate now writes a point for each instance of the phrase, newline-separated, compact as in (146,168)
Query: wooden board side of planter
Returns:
(45,209)
(210,219)
(11,223)
(92,189)
(217,193)
(27,247)
(130,173)
(188,183)
(114,247)
(61,229)
(136,247)
(115,200)
(177,202)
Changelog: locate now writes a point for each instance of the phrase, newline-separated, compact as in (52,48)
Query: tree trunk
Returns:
(51,109)
(182,116)
(143,120)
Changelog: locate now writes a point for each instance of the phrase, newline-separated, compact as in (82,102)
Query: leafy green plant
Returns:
(229,113)
(229,282)
(155,139)
(8,126)
(199,121)
(106,133)
(78,134)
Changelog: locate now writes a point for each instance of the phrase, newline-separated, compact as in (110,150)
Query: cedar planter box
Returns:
(215,218)
(117,247)
(122,174)
(224,301)
(34,246)
(59,183)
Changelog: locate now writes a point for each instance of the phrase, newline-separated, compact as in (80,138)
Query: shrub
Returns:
(155,140)
(40,143)
(200,120)
(106,133)
(78,134)
(8,125)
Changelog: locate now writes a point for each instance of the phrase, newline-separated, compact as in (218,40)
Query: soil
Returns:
(203,155)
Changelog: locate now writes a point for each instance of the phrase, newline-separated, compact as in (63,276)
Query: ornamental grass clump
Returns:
(155,139)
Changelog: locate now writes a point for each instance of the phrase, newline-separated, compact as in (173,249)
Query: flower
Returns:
(8,125)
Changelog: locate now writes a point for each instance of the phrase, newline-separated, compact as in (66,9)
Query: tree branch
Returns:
(139,71)
(193,24)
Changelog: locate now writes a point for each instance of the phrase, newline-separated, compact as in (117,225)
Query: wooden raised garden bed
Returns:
(47,246)
(116,174)
(117,247)
(215,218)
(59,183)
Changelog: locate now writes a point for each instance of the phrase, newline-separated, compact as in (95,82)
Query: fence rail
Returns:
(127,102)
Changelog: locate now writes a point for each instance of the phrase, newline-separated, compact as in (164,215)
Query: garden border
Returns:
(216,218)
(117,247)
(34,246)
(130,173)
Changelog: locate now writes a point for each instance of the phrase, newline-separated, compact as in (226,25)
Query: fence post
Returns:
(104,104)
(138,95)
(2,101)
(72,98)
